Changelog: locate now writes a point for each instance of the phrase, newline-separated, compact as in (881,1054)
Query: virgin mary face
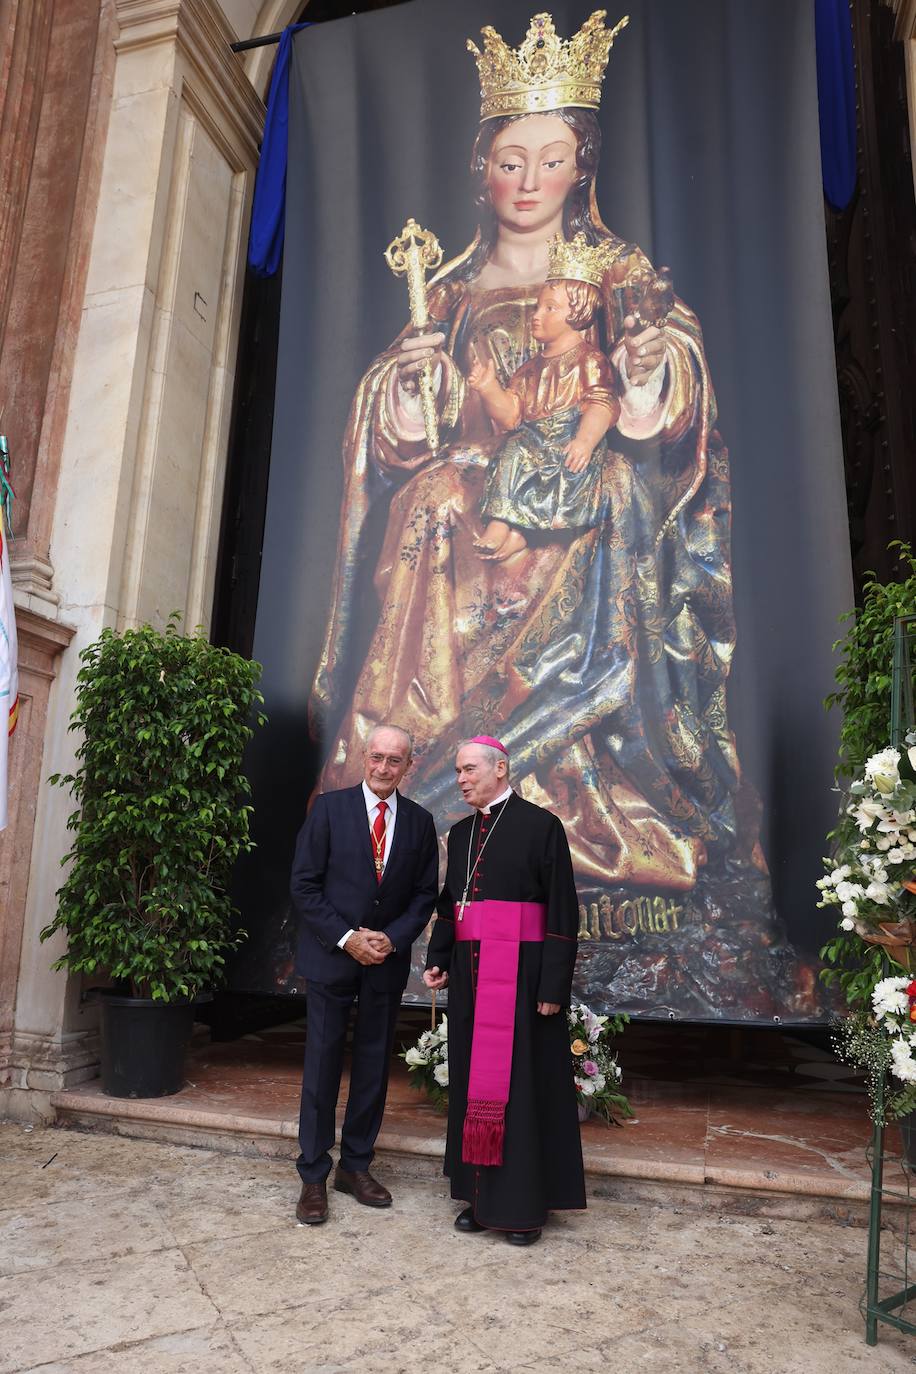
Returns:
(531,169)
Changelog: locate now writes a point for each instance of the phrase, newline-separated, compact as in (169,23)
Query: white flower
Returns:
(878,892)
(895,855)
(866,811)
(883,770)
(889,997)
(903,1065)
(847,922)
(840,873)
(848,891)
(415,1056)
(882,843)
(586,1086)
(440,1074)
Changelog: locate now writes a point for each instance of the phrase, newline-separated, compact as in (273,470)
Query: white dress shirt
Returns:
(391,816)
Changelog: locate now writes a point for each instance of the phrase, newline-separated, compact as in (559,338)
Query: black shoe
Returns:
(523,1237)
(465,1221)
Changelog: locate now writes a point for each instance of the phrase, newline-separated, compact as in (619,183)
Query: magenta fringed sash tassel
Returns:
(500,927)
(484,1132)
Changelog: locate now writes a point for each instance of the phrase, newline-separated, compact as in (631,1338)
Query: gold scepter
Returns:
(415,252)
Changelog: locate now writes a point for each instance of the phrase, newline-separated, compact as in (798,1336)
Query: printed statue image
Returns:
(543,453)
(548,475)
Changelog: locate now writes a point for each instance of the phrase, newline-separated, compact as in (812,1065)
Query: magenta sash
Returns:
(500,927)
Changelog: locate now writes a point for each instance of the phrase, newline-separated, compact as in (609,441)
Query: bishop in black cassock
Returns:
(509,863)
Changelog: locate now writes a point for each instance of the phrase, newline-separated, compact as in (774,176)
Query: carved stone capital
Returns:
(202,37)
(33,583)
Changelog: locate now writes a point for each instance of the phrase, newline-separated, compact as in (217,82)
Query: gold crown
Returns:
(576,259)
(546,72)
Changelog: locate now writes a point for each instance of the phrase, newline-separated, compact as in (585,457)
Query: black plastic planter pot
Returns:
(143,1045)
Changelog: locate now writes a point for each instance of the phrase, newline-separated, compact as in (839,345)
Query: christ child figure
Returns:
(547,473)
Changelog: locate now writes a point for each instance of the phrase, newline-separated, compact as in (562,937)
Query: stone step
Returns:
(411,1144)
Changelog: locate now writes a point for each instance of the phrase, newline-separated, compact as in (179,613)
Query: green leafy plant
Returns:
(162,812)
(863,695)
(863,677)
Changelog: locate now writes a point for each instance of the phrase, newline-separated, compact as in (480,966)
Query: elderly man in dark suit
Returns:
(364,882)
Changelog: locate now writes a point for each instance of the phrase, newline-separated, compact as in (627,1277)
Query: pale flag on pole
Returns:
(9,676)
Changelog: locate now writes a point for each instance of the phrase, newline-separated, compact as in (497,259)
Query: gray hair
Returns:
(492,755)
(398,730)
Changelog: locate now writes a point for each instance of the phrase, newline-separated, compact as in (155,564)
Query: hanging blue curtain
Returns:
(268,212)
(836,99)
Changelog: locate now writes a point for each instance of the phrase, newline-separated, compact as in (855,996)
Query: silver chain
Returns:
(469,871)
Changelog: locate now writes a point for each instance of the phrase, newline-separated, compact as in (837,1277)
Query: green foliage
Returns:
(864,676)
(864,696)
(853,966)
(161,810)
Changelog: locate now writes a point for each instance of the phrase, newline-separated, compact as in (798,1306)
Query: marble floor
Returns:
(139,1257)
(748,1110)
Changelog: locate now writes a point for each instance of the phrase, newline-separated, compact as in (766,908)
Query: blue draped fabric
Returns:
(836,99)
(268,212)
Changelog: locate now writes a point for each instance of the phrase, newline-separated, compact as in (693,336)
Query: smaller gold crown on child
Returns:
(546,72)
(576,259)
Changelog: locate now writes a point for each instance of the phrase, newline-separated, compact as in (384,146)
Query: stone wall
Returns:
(129,139)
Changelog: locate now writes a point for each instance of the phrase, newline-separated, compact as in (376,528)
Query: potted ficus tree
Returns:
(161,817)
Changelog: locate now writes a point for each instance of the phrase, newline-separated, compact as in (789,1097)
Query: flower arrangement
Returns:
(884,1043)
(872,876)
(427,1062)
(596,1073)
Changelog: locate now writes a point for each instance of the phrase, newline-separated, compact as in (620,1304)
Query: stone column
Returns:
(55,100)
(135,518)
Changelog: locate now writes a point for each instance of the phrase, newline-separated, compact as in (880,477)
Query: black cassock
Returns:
(523,857)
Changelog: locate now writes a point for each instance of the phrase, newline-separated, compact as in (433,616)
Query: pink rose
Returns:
(590,1067)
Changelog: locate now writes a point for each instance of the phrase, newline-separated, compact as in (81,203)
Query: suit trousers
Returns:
(327,1015)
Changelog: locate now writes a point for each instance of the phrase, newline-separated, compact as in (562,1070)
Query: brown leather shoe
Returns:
(363,1186)
(312,1207)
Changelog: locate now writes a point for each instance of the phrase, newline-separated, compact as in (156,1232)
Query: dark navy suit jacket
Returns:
(335,889)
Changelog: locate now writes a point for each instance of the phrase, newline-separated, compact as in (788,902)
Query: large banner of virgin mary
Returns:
(630,572)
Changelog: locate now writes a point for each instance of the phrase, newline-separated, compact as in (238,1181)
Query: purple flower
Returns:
(590,1067)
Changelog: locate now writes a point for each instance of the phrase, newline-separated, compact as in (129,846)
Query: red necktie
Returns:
(378,840)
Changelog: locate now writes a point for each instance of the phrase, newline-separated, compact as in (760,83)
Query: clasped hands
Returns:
(369,946)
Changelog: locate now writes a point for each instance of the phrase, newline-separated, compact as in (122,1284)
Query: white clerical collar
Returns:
(497,801)
(372,801)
